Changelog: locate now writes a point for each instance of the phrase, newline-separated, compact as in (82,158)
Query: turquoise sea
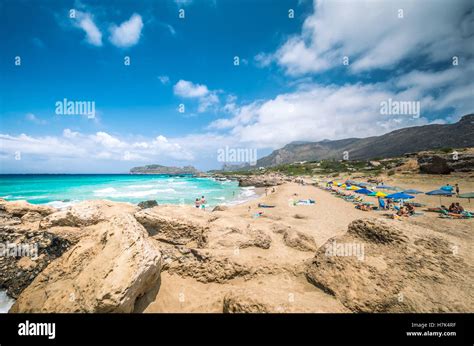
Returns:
(63,190)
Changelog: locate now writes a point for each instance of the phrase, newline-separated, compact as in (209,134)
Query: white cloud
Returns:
(164,79)
(84,21)
(189,89)
(34,119)
(373,36)
(128,33)
(101,145)
(183,2)
(107,140)
(315,112)
(206,97)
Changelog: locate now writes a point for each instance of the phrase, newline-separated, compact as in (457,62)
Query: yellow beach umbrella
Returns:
(343,186)
(380,194)
(354,187)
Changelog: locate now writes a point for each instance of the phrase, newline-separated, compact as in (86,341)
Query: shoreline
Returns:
(122,191)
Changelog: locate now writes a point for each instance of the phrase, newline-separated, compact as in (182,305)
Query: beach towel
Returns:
(265,206)
(305,202)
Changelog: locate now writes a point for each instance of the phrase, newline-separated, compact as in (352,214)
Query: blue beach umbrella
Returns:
(440,193)
(448,188)
(412,191)
(399,195)
(364,191)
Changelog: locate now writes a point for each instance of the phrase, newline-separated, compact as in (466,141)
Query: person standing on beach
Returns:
(203,202)
(197,203)
(457,189)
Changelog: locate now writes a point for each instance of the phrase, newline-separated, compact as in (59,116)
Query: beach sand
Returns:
(284,282)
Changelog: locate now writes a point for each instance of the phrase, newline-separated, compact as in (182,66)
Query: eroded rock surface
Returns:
(108,270)
(403,269)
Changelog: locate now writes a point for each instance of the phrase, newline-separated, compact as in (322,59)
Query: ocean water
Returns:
(64,190)
(5,302)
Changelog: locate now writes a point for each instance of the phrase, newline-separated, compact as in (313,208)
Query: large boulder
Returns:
(433,164)
(108,270)
(20,208)
(85,214)
(147,204)
(388,266)
(174,225)
(259,181)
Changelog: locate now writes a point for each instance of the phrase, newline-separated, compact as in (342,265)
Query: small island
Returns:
(159,169)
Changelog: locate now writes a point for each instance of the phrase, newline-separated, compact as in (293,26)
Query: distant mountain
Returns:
(159,169)
(395,143)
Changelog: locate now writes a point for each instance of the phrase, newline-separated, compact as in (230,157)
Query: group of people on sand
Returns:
(454,208)
(200,202)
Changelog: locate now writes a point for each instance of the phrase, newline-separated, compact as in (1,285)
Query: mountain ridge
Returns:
(394,143)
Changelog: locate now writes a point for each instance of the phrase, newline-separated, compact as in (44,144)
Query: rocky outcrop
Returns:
(446,163)
(299,240)
(108,270)
(220,208)
(79,215)
(24,254)
(147,204)
(233,237)
(24,249)
(206,268)
(20,208)
(159,169)
(388,266)
(433,164)
(260,181)
(170,229)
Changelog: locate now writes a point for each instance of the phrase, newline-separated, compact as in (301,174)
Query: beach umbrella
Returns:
(439,193)
(377,194)
(343,186)
(448,188)
(399,195)
(467,195)
(353,187)
(364,191)
(412,191)
(384,187)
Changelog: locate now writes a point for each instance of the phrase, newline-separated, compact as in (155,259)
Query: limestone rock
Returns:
(20,208)
(175,229)
(78,215)
(106,271)
(388,266)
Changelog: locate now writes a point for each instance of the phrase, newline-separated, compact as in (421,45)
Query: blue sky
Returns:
(291,83)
